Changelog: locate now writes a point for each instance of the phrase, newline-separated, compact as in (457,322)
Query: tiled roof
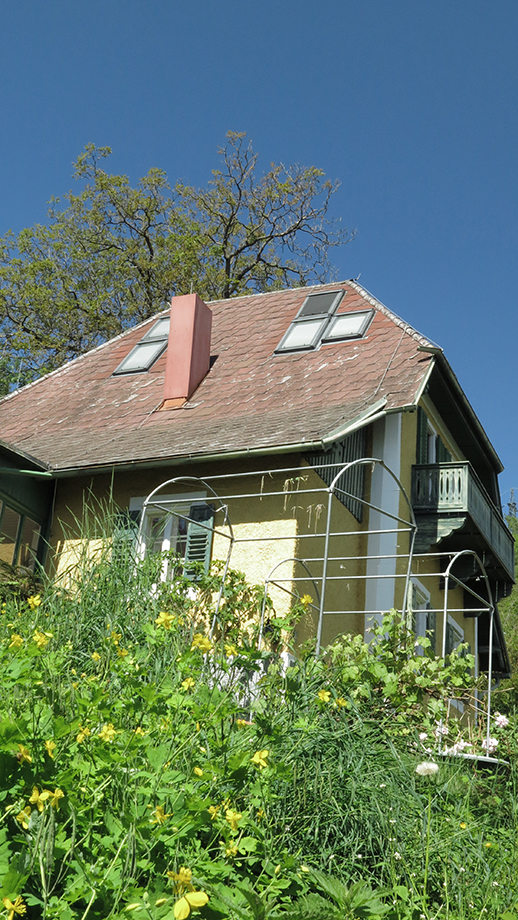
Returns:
(80,416)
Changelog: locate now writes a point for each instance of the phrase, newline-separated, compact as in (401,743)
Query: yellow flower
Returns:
(463,825)
(165,619)
(306,600)
(24,816)
(231,850)
(53,797)
(324,696)
(213,812)
(191,899)
(160,815)
(181,879)
(122,652)
(231,649)
(488,844)
(18,907)
(108,732)
(241,723)
(34,601)
(260,814)
(82,734)
(139,730)
(40,638)
(188,683)
(340,702)
(50,746)
(23,754)
(16,641)
(260,759)
(36,799)
(233,818)
(115,636)
(97,657)
(201,642)
(198,771)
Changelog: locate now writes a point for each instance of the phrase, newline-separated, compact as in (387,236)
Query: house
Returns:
(238,417)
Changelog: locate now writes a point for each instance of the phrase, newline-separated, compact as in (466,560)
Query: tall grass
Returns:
(114,696)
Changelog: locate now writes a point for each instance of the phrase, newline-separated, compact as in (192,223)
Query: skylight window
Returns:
(147,351)
(347,326)
(317,323)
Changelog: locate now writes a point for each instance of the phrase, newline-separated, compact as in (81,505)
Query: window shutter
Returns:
(422,436)
(443,454)
(125,532)
(200,531)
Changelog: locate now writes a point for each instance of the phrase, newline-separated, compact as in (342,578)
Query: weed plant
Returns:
(151,768)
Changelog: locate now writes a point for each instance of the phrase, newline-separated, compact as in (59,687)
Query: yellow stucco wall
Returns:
(290,524)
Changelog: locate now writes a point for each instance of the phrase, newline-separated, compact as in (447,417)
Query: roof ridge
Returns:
(300,287)
(410,330)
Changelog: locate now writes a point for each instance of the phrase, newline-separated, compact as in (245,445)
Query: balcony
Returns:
(451,504)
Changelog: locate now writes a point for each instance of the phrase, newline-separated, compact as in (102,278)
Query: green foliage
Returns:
(150,769)
(112,255)
(261,233)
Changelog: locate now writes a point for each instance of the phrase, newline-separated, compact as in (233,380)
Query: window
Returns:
(318,323)
(181,523)
(147,351)
(424,619)
(430,447)
(19,537)
(454,635)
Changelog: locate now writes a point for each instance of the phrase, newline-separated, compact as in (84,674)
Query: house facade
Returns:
(310,438)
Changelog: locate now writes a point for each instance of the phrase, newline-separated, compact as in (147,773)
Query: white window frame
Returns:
(180,503)
(420,606)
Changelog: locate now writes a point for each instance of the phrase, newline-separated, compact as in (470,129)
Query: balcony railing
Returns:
(442,488)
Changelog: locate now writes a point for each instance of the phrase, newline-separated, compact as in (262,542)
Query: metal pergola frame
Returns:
(289,582)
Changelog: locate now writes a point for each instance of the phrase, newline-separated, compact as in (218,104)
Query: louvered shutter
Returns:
(422,437)
(443,454)
(200,531)
(125,533)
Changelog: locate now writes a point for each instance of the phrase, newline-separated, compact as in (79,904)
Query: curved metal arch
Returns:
(269,580)
(365,461)
(490,609)
(226,523)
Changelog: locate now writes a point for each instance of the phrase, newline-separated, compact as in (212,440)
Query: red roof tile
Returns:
(80,416)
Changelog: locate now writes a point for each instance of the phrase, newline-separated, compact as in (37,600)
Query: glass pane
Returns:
(346,325)
(317,304)
(155,533)
(9,532)
(29,543)
(141,357)
(303,335)
(160,330)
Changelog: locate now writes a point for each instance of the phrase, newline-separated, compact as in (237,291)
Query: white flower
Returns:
(427,768)
(501,721)
(397,855)
(457,748)
(441,730)
(423,736)
(490,744)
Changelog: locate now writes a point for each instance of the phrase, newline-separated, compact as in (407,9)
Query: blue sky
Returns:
(412,105)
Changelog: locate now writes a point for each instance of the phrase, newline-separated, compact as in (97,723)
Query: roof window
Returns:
(147,351)
(317,323)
